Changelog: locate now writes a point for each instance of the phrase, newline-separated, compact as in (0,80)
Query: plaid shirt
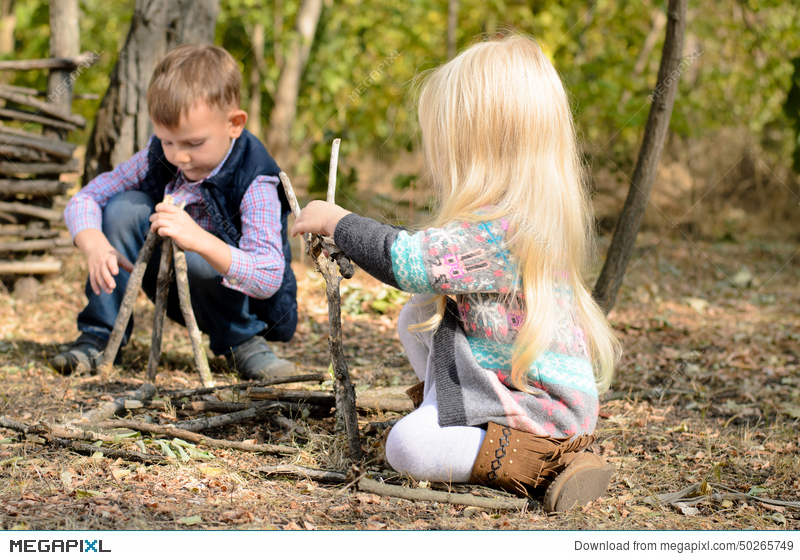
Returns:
(256,265)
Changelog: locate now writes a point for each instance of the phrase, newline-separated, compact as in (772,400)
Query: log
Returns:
(61,150)
(175,431)
(386,405)
(182,279)
(28,210)
(42,107)
(126,308)
(13,167)
(42,93)
(34,245)
(106,410)
(20,152)
(30,267)
(174,395)
(162,292)
(86,449)
(27,117)
(644,174)
(36,187)
(66,63)
(315,397)
(28,232)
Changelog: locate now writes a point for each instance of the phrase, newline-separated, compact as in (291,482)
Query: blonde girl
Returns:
(504,334)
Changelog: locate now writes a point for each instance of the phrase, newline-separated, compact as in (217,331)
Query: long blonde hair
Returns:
(499,141)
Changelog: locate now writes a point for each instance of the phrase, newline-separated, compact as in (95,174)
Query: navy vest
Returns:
(222,197)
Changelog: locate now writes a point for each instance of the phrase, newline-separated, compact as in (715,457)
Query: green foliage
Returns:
(366,58)
(792,109)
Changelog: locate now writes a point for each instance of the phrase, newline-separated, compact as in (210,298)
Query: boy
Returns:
(233,228)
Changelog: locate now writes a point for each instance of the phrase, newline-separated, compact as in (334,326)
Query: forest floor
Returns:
(708,391)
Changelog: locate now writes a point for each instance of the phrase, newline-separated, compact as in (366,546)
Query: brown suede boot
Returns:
(416,393)
(522,463)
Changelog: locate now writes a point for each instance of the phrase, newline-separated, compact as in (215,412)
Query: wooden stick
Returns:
(326,477)
(27,232)
(40,187)
(42,107)
(175,431)
(43,93)
(202,424)
(314,397)
(26,117)
(67,63)
(162,292)
(30,267)
(286,424)
(182,279)
(14,167)
(126,307)
(287,188)
(34,245)
(422,494)
(106,410)
(240,386)
(35,211)
(332,171)
(107,452)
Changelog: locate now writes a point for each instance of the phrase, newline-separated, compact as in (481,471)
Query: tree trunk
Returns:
(452,25)
(256,73)
(65,41)
(122,126)
(285,107)
(8,22)
(655,132)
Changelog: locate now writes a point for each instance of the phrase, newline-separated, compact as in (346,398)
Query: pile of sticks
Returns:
(30,166)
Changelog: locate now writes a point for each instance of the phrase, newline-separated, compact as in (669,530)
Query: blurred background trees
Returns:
(733,136)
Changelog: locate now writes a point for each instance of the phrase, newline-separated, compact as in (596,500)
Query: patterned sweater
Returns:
(474,342)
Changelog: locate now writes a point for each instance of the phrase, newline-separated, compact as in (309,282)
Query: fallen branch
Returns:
(365,484)
(49,266)
(35,211)
(267,393)
(286,424)
(246,385)
(42,107)
(106,410)
(27,117)
(692,495)
(175,431)
(36,187)
(108,453)
(260,409)
(326,477)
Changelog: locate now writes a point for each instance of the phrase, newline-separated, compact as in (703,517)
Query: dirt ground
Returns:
(708,391)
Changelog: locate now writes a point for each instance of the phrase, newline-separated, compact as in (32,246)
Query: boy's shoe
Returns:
(83,356)
(254,360)
(523,464)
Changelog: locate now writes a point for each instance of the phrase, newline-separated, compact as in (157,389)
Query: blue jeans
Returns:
(222,313)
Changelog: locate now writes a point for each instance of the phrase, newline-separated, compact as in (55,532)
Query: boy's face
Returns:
(201,139)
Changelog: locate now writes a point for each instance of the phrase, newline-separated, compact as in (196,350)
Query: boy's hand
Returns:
(173,222)
(318,217)
(103,260)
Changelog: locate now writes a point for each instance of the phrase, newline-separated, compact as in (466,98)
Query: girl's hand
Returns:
(173,222)
(318,217)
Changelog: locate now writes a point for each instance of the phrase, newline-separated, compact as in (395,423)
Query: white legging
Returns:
(417,445)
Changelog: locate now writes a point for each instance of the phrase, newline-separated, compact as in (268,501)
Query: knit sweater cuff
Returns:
(368,244)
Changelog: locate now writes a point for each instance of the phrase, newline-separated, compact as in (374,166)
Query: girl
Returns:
(513,365)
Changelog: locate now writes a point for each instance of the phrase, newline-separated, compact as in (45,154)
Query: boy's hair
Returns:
(192,73)
(499,142)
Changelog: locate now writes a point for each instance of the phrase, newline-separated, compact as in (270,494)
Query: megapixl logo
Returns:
(46,545)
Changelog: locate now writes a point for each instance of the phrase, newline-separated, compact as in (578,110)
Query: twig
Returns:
(126,307)
(175,431)
(375,427)
(268,393)
(182,279)
(260,409)
(262,383)
(106,410)
(162,292)
(326,477)
(332,171)
(365,484)
(108,452)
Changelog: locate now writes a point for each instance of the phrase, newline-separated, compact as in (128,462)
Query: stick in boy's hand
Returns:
(171,220)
